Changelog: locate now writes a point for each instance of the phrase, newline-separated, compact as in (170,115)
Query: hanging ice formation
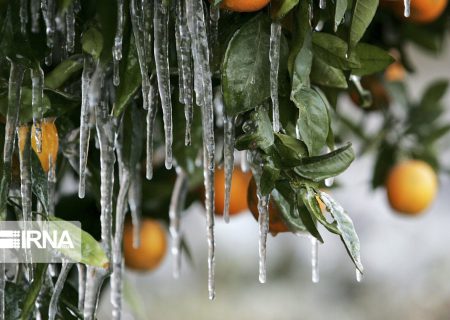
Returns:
(176,207)
(54,301)
(135,204)
(228,159)
(407,11)
(274,58)
(117,49)
(37,96)
(204,98)
(315,260)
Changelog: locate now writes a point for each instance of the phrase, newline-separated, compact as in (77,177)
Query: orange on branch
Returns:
(244,5)
(422,11)
(152,249)
(395,72)
(411,187)
(49,142)
(276,223)
(239,183)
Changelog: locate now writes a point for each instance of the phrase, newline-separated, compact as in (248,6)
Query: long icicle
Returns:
(228,158)
(135,13)
(184,57)
(70,28)
(135,204)
(151,116)
(54,301)
(274,58)
(177,202)
(161,51)
(315,276)
(203,90)
(81,285)
(23,16)
(24,136)
(48,12)
(121,206)
(85,116)
(35,13)
(95,276)
(37,106)
(117,49)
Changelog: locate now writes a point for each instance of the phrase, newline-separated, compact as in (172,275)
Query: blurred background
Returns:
(406,259)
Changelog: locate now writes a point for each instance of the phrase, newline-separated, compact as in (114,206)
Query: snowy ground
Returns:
(407,261)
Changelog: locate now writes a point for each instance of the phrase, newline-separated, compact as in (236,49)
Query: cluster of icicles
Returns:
(196,33)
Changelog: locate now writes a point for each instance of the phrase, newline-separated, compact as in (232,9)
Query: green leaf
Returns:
(309,199)
(285,7)
(329,165)
(289,148)
(346,228)
(301,27)
(63,71)
(92,42)
(269,176)
(303,63)
(306,217)
(92,253)
(258,131)
(313,121)
(372,59)
(435,134)
(334,51)
(363,12)
(325,75)
(433,94)
(385,160)
(284,198)
(340,8)
(33,291)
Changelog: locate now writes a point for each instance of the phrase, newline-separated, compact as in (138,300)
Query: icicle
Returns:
(54,301)
(2,289)
(37,106)
(117,50)
(151,116)
(228,158)
(161,51)
(135,204)
(214,15)
(184,56)
(140,48)
(204,97)
(23,15)
(51,182)
(314,260)
(24,134)
(70,28)
(177,202)
(274,57)
(359,275)
(106,137)
(329,181)
(121,206)
(48,12)
(244,162)
(322,4)
(14,93)
(85,116)
(81,285)
(35,15)
(263,222)
(407,11)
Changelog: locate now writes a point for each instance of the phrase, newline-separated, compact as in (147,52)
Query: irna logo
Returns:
(40,239)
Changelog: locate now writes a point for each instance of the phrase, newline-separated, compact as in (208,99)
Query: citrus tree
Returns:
(146,102)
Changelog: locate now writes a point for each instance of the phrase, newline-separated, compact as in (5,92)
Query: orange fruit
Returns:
(411,187)
(276,223)
(239,184)
(244,5)
(49,142)
(152,249)
(422,11)
(395,72)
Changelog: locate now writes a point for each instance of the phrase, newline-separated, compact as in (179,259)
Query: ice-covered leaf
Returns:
(372,58)
(346,228)
(257,131)
(284,198)
(269,176)
(313,121)
(302,66)
(92,252)
(246,67)
(363,12)
(289,148)
(318,168)
(306,217)
(92,42)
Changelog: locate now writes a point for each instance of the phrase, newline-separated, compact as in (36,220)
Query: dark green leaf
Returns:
(307,218)
(329,165)
(285,7)
(258,131)
(434,94)
(385,160)
(289,148)
(340,8)
(313,121)
(325,75)
(92,42)
(284,198)
(33,291)
(62,72)
(269,176)
(334,51)
(372,59)
(303,63)
(363,12)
